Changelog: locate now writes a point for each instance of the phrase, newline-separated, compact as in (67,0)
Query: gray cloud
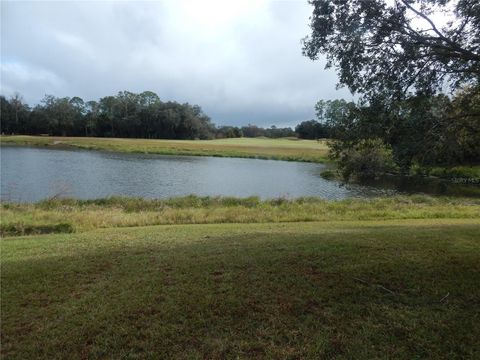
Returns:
(240,60)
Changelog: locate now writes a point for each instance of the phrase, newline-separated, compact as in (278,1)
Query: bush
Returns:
(328,174)
(367,159)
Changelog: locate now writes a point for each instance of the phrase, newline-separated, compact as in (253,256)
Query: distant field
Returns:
(395,289)
(280,149)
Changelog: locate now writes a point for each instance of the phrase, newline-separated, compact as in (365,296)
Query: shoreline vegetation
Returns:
(288,149)
(71,215)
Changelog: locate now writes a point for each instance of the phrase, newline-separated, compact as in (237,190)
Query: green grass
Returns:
(261,148)
(68,215)
(457,172)
(396,289)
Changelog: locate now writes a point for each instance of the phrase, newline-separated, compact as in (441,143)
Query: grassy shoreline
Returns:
(70,215)
(398,289)
(257,148)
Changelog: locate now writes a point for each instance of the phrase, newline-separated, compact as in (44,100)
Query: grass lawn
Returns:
(402,289)
(263,148)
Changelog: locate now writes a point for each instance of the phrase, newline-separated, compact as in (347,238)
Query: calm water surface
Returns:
(32,174)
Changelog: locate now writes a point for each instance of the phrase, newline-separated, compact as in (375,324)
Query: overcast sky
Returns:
(240,60)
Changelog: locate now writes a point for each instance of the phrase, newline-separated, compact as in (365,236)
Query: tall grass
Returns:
(71,215)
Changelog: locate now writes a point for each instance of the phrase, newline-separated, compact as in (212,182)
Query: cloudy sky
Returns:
(240,60)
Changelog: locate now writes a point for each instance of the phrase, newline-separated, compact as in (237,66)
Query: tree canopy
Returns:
(416,66)
(419,131)
(392,48)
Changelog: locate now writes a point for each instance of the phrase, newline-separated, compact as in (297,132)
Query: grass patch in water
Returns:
(329,174)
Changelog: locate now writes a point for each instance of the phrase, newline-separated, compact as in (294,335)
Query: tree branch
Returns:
(469,55)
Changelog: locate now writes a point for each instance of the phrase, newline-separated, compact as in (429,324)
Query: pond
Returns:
(31,174)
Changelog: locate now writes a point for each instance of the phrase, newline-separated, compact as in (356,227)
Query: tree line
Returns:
(126,114)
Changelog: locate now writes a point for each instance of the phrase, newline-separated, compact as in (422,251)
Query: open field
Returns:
(68,215)
(261,148)
(398,289)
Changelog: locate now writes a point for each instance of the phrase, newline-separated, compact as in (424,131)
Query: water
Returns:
(31,174)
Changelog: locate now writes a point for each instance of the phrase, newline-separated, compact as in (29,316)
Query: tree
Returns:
(252,131)
(79,120)
(148,98)
(400,56)
(463,121)
(330,114)
(229,132)
(17,105)
(392,48)
(14,114)
(367,159)
(7,116)
(92,110)
(308,129)
(59,113)
(275,132)
(421,131)
(107,105)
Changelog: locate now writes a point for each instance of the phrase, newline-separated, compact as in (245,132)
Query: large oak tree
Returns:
(398,47)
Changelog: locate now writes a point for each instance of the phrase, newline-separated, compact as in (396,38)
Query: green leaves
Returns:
(396,48)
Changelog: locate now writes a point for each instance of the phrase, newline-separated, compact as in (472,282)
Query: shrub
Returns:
(328,174)
(366,159)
